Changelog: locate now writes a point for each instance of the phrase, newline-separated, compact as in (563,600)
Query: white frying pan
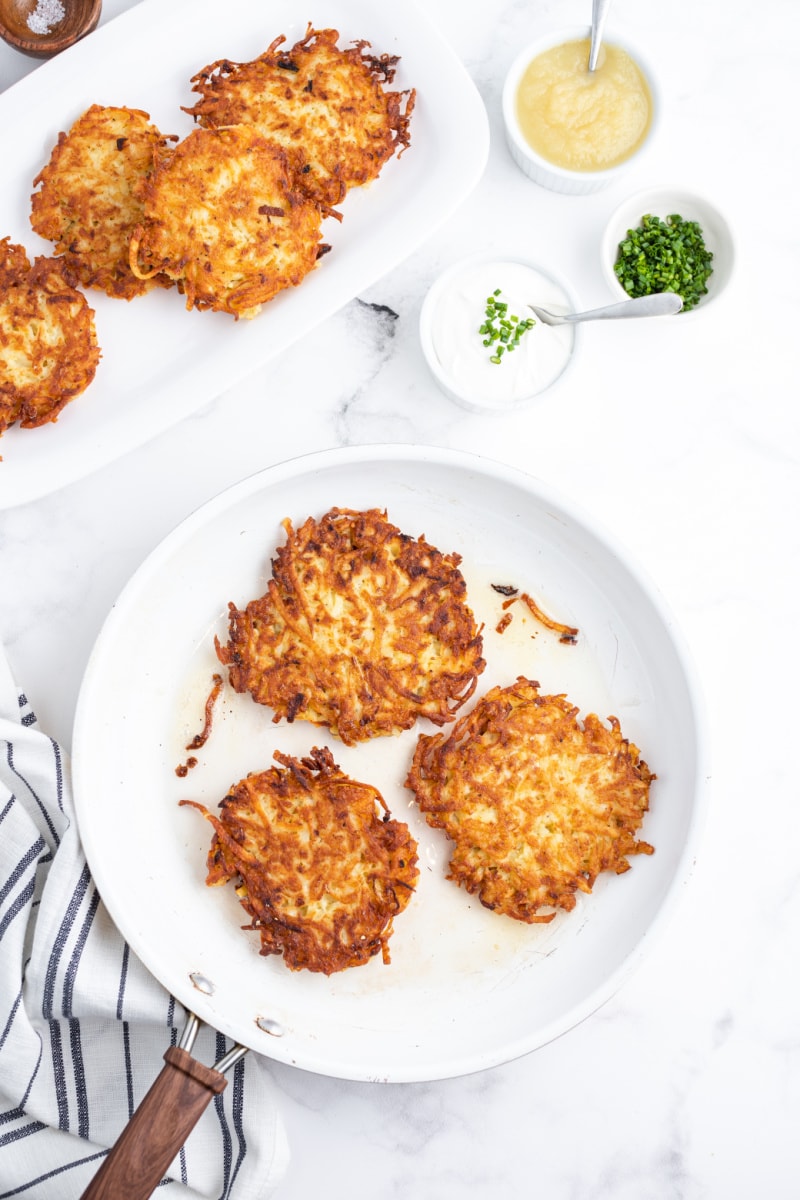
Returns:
(466,989)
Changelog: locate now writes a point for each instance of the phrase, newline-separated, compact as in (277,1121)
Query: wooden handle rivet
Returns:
(202,984)
(270,1026)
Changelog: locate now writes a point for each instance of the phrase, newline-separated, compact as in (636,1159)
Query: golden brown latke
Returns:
(362,629)
(90,198)
(14,262)
(326,106)
(536,804)
(223,218)
(319,865)
(48,347)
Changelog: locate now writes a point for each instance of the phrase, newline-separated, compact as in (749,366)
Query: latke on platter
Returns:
(536,803)
(48,346)
(326,106)
(317,862)
(224,219)
(362,629)
(90,197)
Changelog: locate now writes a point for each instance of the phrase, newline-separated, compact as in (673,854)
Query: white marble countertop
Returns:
(683,440)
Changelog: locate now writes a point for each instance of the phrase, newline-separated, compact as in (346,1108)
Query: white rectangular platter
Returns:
(159,361)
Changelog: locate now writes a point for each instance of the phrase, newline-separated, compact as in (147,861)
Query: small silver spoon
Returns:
(660,304)
(599,10)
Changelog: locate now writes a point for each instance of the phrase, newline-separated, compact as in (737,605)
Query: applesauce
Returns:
(579,119)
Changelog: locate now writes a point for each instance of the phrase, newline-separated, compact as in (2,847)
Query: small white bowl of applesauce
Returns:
(574,130)
(481,341)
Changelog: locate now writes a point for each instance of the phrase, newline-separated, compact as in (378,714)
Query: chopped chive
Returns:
(502,330)
(665,256)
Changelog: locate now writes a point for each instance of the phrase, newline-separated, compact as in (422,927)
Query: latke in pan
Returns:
(536,803)
(90,197)
(326,106)
(318,864)
(362,629)
(48,346)
(223,218)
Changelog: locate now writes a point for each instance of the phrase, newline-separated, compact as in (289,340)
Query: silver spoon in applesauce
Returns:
(599,11)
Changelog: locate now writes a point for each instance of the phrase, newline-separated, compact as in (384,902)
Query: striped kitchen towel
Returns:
(83,1026)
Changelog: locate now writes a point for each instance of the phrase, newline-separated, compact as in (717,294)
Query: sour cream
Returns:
(452,316)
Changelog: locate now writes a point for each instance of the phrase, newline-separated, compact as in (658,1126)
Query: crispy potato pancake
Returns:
(48,345)
(318,864)
(536,803)
(223,218)
(362,629)
(326,106)
(90,197)
(14,262)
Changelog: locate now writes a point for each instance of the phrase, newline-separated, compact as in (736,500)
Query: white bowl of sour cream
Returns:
(472,335)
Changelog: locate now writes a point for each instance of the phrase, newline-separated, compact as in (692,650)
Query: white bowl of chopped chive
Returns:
(668,239)
(481,341)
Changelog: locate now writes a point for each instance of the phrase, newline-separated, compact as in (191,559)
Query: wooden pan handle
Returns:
(155,1133)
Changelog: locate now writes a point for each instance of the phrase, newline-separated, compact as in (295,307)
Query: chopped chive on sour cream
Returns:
(501,331)
(495,294)
(665,256)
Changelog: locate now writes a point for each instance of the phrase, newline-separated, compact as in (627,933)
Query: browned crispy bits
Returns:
(223,218)
(326,106)
(363,629)
(318,864)
(90,197)
(48,346)
(536,803)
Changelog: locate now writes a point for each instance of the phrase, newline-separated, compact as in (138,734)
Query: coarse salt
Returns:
(46,15)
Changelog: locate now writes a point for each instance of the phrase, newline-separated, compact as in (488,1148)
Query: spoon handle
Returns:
(660,304)
(599,11)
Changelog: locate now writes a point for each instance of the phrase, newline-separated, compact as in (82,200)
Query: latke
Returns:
(223,218)
(90,197)
(362,629)
(48,345)
(326,106)
(536,803)
(14,262)
(318,864)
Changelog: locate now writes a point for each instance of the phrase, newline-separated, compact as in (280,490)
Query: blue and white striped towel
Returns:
(83,1026)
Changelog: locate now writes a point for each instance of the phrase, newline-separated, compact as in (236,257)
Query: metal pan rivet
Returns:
(202,984)
(267,1025)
